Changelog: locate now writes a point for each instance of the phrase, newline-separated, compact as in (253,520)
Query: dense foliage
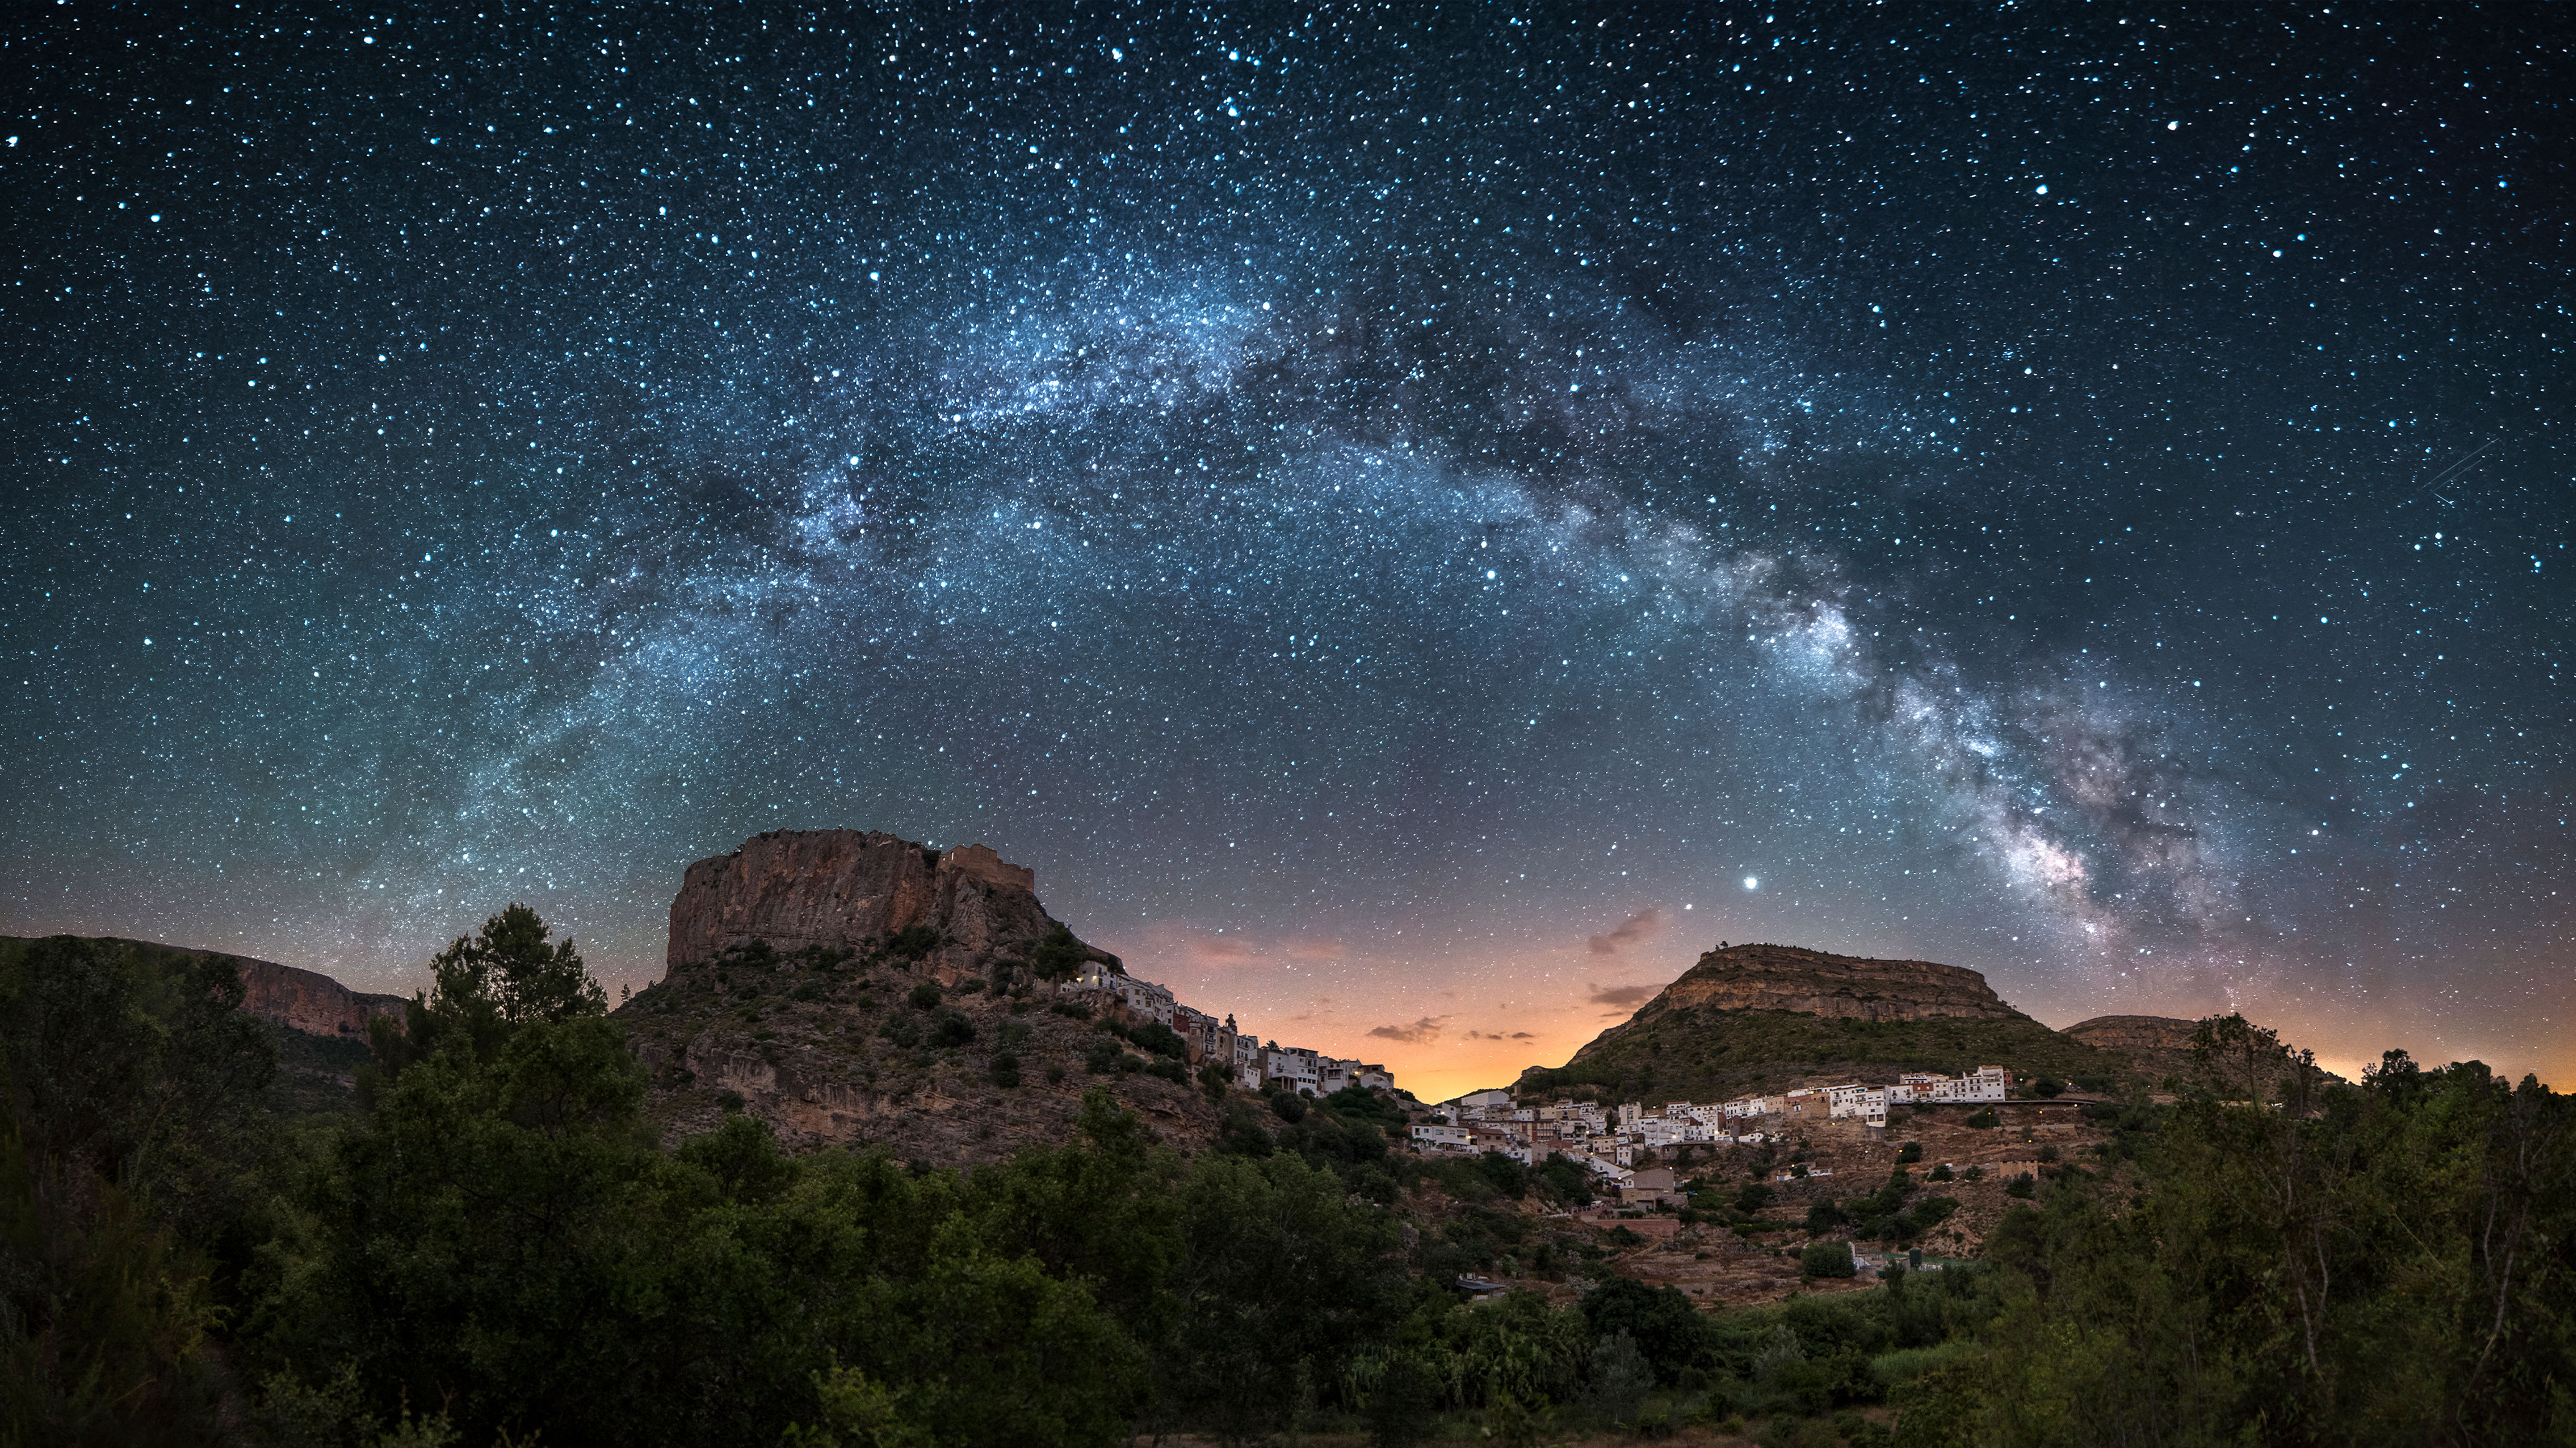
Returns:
(497,1247)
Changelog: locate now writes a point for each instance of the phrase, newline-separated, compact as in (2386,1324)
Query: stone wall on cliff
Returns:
(842,889)
(1785,978)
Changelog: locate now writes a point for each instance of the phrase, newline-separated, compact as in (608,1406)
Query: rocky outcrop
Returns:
(1762,1017)
(302,1000)
(1784,978)
(2133,1034)
(848,889)
(308,1000)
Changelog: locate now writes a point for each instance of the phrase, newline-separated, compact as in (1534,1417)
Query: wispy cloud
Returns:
(1220,950)
(1426,1029)
(1627,996)
(1627,932)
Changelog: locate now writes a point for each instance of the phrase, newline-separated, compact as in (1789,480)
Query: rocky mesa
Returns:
(1752,1017)
(1785,978)
(844,889)
(852,987)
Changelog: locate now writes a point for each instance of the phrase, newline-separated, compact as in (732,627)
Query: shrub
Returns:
(2048,1086)
(1058,956)
(924,997)
(2019,1186)
(900,1031)
(1170,1070)
(1158,1038)
(1564,1179)
(1006,1069)
(1985,1120)
(912,942)
(1754,1197)
(1075,1009)
(1911,1151)
(1508,1176)
(1288,1106)
(1827,1259)
(954,1030)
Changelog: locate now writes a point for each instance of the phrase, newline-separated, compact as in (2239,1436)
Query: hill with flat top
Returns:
(1757,1017)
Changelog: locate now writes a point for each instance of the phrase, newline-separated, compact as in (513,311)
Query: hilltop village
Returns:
(1609,1144)
(1256,1065)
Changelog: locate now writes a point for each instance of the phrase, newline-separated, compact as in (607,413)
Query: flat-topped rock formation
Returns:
(1785,978)
(846,889)
(1760,1017)
(2136,1033)
(907,998)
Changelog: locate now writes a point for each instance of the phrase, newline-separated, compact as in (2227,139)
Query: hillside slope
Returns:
(1757,1017)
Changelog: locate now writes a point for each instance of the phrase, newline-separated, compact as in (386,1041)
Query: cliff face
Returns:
(1784,978)
(307,1000)
(845,888)
(943,1052)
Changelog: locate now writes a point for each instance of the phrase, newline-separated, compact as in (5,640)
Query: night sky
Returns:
(1415,522)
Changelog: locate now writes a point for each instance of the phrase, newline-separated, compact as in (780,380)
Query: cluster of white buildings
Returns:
(1870,1103)
(1608,1140)
(1258,1065)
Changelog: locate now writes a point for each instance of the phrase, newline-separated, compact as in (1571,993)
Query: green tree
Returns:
(1660,1320)
(1279,1281)
(485,987)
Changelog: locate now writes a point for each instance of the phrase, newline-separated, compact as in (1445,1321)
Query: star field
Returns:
(1415,521)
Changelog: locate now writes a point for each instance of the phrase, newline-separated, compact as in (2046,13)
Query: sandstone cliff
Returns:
(848,889)
(904,1000)
(309,1001)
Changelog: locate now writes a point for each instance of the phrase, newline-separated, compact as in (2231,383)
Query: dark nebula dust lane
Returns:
(1413,520)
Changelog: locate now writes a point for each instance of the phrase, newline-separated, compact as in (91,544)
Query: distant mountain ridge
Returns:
(287,995)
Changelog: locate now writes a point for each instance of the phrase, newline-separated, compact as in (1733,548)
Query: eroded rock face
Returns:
(1784,978)
(308,1000)
(846,888)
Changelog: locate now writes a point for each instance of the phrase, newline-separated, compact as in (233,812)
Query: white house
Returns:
(1442,1138)
(1293,1067)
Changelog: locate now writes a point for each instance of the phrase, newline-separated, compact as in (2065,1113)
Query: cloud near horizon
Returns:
(1627,932)
(1426,1029)
(1627,997)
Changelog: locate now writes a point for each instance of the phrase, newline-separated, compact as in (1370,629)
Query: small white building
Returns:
(1443,1138)
(1292,1068)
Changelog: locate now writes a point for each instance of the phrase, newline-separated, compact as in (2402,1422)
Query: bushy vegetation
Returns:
(496,1247)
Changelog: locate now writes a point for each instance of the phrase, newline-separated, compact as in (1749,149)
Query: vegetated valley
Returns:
(514,1215)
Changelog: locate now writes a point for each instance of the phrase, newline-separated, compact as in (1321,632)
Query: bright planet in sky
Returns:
(1376,508)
